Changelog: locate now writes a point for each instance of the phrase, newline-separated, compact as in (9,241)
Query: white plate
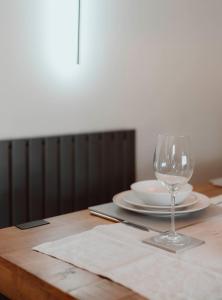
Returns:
(132,199)
(203,203)
(216,181)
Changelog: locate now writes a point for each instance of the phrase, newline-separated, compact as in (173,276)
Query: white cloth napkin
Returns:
(116,252)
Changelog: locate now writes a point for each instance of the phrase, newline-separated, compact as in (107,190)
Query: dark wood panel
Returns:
(81,166)
(118,162)
(36,179)
(108,166)
(95,169)
(20,205)
(5,194)
(43,177)
(66,174)
(128,159)
(51,177)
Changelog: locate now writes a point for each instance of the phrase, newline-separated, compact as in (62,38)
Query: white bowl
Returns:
(154,192)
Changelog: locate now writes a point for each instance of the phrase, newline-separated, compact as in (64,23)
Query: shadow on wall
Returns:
(207,170)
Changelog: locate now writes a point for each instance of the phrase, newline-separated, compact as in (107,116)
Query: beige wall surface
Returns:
(152,65)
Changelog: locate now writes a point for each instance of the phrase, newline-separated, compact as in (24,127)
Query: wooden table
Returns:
(26,274)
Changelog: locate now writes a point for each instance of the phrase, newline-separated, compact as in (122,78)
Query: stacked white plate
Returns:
(129,200)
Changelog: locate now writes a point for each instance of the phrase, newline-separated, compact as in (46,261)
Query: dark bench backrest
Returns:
(44,177)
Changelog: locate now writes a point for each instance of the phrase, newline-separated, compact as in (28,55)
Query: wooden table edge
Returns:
(33,283)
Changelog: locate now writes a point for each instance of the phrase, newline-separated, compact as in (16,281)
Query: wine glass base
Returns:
(169,238)
(173,242)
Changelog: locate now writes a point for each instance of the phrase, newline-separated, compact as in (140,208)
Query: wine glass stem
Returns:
(172,229)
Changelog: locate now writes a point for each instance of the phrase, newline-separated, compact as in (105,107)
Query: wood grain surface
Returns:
(26,274)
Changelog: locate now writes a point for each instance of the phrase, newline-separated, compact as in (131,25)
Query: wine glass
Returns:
(173,166)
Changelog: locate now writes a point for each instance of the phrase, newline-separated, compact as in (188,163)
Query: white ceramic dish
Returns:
(153,192)
(203,203)
(132,199)
(216,181)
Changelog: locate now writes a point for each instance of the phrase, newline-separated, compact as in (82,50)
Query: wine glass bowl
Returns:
(173,163)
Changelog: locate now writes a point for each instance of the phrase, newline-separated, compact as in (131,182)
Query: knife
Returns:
(119,221)
(135,225)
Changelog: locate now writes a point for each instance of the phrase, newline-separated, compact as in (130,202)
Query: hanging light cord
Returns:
(78,34)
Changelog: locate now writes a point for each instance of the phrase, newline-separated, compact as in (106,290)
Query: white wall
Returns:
(153,65)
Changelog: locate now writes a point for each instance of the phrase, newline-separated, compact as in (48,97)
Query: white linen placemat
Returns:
(116,252)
